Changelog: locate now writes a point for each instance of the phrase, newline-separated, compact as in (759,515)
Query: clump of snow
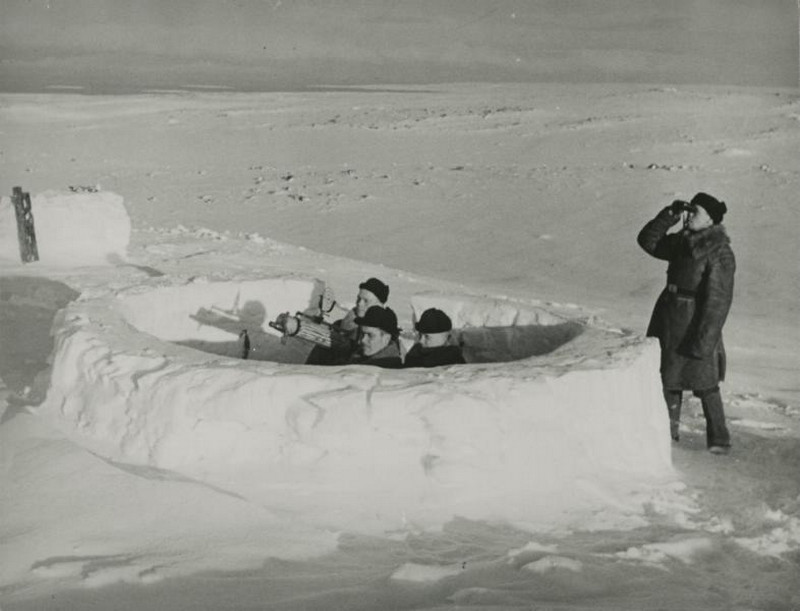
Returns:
(683,550)
(783,538)
(72,228)
(551,563)
(411,571)
(531,547)
(545,439)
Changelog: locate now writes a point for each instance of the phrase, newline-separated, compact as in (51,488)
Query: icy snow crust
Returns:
(572,427)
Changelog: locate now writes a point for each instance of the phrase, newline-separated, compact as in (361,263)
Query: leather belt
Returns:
(676,290)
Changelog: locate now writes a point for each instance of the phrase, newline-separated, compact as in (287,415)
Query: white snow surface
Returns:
(147,465)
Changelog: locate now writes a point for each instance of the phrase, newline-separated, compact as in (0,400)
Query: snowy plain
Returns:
(527,193)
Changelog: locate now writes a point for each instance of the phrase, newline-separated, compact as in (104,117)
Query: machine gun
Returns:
(303,327)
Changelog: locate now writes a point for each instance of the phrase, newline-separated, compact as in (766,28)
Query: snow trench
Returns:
(552,419)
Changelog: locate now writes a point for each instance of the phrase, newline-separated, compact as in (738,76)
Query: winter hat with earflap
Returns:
(433,320)
(715,208)
(377,288)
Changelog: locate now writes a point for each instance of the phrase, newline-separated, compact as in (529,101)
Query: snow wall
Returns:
(570,426)
(71,228)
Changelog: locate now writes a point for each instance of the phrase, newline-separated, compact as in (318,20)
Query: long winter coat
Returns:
(690,312)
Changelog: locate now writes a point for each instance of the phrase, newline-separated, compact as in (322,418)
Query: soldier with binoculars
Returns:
(690,312)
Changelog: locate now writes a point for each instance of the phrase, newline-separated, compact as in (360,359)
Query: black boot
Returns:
(718,439)
(674,399)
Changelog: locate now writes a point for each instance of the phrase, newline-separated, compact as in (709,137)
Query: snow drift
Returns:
(572,423)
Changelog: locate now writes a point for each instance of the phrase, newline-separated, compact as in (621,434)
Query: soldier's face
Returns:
(364,300)
(373,340)
(697,219)
(433,340)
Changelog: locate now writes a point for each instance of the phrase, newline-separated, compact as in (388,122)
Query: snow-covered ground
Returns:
(525,196)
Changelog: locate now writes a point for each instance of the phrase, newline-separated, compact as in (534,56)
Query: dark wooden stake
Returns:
(25,230)
(245,343)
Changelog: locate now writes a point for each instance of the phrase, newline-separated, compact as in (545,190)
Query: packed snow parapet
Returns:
(77,228)
(544,440)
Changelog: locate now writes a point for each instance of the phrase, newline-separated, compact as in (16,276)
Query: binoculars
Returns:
(679,206)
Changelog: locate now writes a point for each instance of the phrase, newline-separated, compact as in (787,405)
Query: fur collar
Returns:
(702,243)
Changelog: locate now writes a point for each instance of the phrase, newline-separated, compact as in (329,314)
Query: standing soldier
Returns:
(691,310)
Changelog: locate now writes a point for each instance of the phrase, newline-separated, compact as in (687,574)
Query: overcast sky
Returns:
(275,44)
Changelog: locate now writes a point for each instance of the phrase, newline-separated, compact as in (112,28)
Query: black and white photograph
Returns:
(372,305)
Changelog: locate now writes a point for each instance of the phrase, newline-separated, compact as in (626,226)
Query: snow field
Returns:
(270,457)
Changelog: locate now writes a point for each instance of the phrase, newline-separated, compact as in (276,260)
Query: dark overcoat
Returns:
(388,358)
(690,312)
(449,354)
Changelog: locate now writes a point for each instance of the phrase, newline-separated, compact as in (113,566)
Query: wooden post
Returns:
(245,343)
(25,230)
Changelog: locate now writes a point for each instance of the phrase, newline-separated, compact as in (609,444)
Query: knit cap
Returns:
(433,320)
(715,208)
(377,288)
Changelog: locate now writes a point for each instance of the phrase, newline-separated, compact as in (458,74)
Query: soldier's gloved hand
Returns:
(327,301)
(678,206)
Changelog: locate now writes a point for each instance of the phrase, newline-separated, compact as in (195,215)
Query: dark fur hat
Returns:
(377,288)
(715,208)
(434,320)
(380,318)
